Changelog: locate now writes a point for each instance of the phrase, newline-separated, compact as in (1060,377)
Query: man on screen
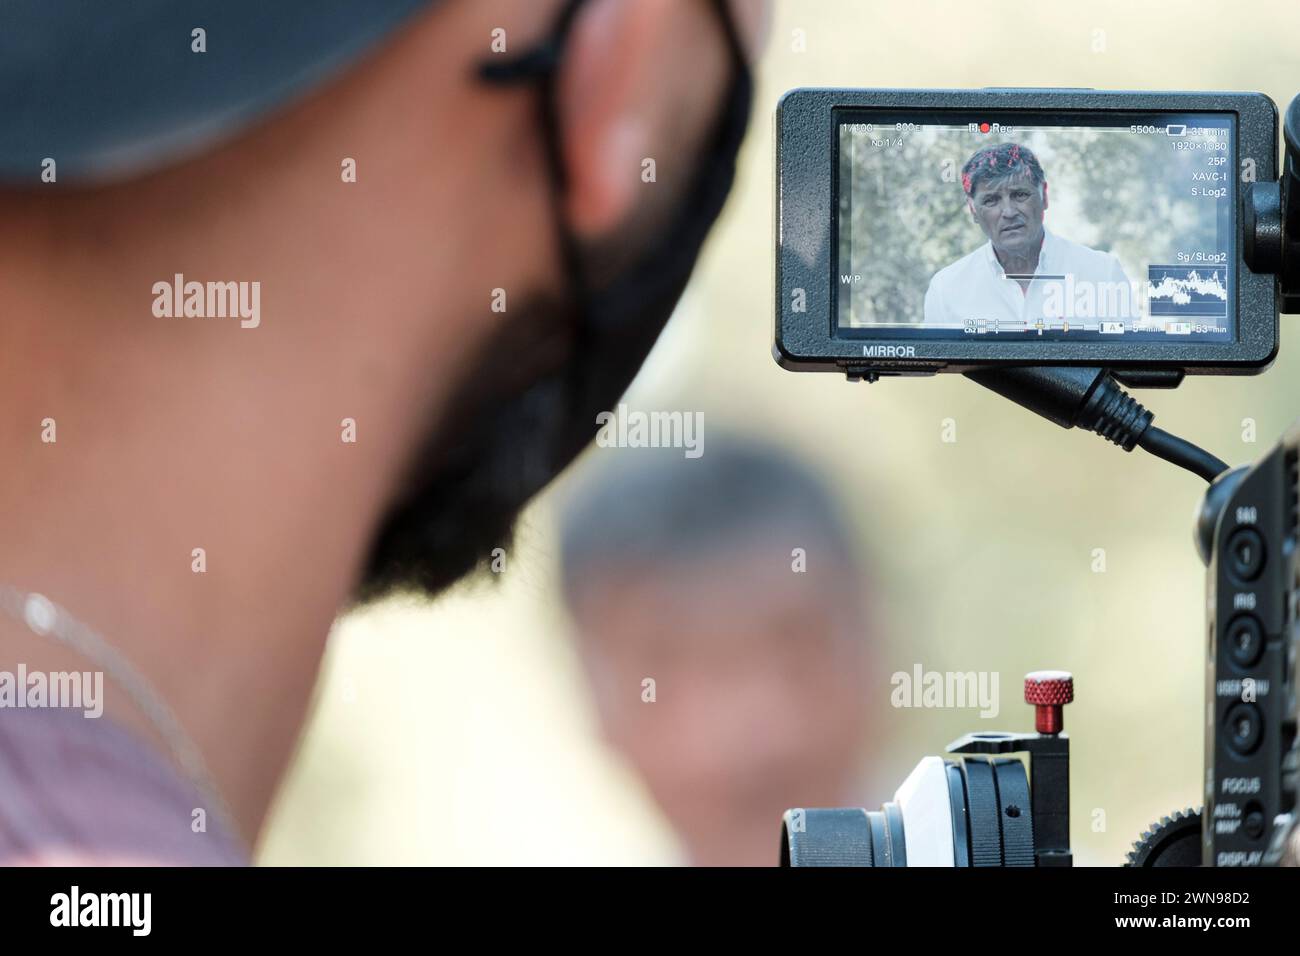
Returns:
(1024,277)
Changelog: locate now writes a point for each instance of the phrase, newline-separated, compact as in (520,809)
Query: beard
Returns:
(495,445)
(510,428)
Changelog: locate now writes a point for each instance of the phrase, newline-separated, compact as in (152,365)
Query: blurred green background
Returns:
(462,733)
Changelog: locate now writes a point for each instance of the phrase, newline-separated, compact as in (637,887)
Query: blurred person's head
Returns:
(492,275)
(729,581)
(1006,193)
(459,227)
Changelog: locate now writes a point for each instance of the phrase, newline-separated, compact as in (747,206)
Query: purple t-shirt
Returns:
(83,790)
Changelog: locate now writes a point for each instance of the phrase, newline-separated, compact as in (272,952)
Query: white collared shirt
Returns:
(976,290)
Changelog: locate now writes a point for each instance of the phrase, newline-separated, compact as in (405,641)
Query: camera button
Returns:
(1246,553)
(1245,639)
(1245,727)
(1255,820)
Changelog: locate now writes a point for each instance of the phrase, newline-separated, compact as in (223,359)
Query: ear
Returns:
(1044,194)
(624,97)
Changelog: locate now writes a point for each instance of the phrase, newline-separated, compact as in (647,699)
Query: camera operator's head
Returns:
(458,228)
(730,583)
(1006,193)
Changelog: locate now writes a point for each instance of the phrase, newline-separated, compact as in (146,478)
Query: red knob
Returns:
(1049,692)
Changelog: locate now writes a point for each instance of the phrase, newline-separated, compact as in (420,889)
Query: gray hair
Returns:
(995,163)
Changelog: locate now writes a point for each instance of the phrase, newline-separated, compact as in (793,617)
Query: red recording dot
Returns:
(984,127)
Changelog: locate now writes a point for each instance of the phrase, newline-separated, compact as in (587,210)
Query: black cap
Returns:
(112,89)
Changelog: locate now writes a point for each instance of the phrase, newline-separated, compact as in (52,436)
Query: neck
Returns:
(176,434)
(1025,263)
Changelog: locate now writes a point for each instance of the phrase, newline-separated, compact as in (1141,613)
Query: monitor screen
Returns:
(1036,226)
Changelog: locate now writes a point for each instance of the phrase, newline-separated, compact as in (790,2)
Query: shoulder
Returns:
(1080,257)
(957,273)
(89,791)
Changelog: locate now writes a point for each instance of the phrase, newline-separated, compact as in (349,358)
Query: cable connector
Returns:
(1115,415)
(1073,398)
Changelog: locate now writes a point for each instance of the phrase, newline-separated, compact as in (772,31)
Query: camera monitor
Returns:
(924,231)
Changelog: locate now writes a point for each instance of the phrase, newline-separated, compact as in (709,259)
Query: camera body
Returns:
(1186,247)
(1248,532)
(984,806)
(905,219)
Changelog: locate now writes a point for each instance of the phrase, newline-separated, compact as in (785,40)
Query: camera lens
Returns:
(970,812)
(848,836)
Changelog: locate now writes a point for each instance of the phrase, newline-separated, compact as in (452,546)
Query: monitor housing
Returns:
(810,334)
